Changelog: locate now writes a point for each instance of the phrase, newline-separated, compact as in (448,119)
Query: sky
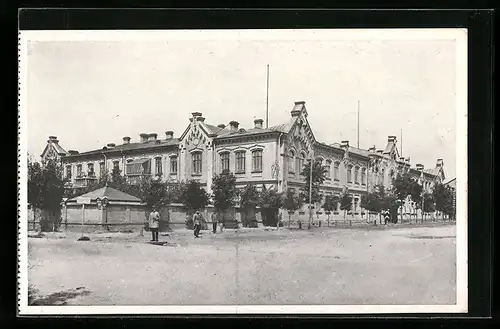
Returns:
(90,93)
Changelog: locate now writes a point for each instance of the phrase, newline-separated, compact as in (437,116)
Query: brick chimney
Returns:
(234,126)
(169,134)
(407,160)
(419,166)
(439,163)
(344,144)
(144,137)
(152,137)
(258,123)
(73,152)
(126,140)
(221,126)
(391,139)
(200,118)
(297,109)
(402,159)
(110,145)
(372,149)
(380,151)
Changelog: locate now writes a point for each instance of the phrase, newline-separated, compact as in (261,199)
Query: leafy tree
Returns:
(330,204)
(224,191)
(292,202)
(270,201)
(404,185)
(35,186)
(429,204)
(443,198)
(372,202)
(176,191)
(391,203)
(249,199)
(50,189)
(194,197)
(345,203)
(152,192)
(318,177)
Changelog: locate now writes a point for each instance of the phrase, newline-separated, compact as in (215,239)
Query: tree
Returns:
(330,204)
(429,204)
(443,198)
(391,203)
(318,177)
(35,187)
(404,185)
(270,201)
(371,202)
(249,199)
(52,191)
(345,203)
(194,197)
(292,202)
(224,191)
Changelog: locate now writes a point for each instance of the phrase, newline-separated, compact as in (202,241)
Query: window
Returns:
(173,165)
(300,163)
(291,162)
(356,202)
(158,167)
(116,165)
(102,169)
(196,160)
(363,176)
(336,171)
(90,170)
(68,172)
(328,168)
(257,161)
(356,175)
(224,161)
(349,174)
(79,170)
(240,162)
(382,174)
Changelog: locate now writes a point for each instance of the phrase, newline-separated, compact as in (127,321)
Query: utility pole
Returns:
(267,98)
(310,192)
(358,124)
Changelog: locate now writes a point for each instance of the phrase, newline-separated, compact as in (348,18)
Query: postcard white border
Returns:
(460,37)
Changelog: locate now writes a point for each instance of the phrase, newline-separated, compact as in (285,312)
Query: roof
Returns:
(132,146)
(109,192)
(59,148)
(433,171)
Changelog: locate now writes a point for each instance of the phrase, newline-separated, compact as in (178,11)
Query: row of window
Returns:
(299,161)
(240,163)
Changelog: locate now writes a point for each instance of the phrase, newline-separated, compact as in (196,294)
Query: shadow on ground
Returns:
(57,298)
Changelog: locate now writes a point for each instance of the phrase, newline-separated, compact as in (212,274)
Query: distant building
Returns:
(271,156)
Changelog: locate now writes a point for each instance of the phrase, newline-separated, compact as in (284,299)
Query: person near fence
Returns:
(154,223)
(214,222)
(197,224)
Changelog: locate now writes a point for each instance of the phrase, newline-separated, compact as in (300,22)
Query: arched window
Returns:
(240,161)
(363,176)
(349,173)
(257,161)
(382,176)
(301,161)
(158,166)
(328,166)
(224,161)
(356,175)
(336,171)
(291,162)
(196,162)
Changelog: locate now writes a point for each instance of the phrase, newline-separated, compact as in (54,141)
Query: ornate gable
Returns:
(301,136)
(195,136)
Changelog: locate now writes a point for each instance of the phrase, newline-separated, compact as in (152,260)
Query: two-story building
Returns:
(271,156)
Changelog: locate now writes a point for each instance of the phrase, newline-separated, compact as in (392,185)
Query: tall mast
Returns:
(267,98)
(358,124)
(401,142)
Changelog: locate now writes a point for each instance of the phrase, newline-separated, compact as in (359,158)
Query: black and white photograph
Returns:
(243,171)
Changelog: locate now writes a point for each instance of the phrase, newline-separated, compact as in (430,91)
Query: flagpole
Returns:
(358,124)
(401,142)
(267,98)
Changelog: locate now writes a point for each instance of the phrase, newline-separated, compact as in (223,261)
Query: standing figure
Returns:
(154,223)
(214,222)
(197,223)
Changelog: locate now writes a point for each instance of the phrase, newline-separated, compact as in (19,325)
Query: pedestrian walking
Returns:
(197,223)
(214,222)
(154,223)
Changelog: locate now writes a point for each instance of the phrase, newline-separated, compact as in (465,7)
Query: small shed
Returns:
(104,209)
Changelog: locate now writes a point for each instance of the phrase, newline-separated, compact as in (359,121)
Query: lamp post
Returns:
(310,192)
